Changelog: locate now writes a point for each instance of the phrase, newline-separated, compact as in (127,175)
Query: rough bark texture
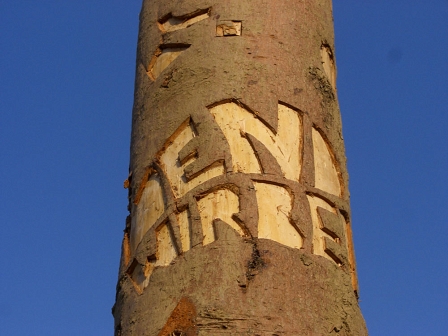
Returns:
(238,191)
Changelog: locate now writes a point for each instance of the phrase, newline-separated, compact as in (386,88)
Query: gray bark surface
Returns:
(256,55)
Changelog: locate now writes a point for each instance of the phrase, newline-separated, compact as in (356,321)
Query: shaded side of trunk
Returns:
(238,191)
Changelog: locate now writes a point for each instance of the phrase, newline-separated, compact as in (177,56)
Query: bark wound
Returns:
(322,84)
(328,64)
(182,321)
(256,263)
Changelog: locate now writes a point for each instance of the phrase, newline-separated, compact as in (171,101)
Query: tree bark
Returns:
(238,190)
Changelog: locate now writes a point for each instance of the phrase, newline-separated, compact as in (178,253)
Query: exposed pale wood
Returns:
(174,23)
(140,276)
(285,146)
(148,210)
(228,28)
(351,258)
(274,207)
(220,204)
(328,64)
(289,142)
(184,227)
(126,249)
(175,171)
(166,252)
(232,119)
(318,233)
(166,57)
(326,174)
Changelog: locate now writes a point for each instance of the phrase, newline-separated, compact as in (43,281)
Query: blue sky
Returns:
(66,80)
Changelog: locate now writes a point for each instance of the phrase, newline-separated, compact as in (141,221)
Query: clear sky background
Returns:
(66,93)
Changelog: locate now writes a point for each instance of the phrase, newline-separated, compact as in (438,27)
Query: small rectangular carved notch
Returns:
(228,28)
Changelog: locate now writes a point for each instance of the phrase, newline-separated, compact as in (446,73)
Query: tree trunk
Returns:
(239,205)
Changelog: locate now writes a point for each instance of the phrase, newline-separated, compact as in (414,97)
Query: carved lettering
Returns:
(184,222)
(148,210)
(327,177)
(236,122)
(164,56)
(166,251)
(171,164)
(329,236)
(220,204)
(274,211)
(254,149)
(140,275)
(172,23)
